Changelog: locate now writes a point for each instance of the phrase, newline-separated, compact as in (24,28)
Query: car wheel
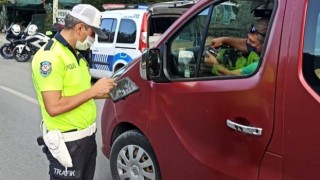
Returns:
(132,157)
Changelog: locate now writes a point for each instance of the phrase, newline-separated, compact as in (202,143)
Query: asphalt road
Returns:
(20,156)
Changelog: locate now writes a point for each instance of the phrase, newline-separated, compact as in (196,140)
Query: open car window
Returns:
(311,49)
(187,57)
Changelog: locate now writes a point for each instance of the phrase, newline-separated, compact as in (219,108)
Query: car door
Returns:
(301,95)
(211,126)
(103,50)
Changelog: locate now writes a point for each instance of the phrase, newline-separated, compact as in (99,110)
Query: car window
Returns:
(311,49)
(108,26)
(187,57)
(127,31)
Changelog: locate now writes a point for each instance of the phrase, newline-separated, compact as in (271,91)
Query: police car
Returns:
(130,29)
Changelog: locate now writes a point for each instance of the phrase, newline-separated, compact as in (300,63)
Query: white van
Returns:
(131,29)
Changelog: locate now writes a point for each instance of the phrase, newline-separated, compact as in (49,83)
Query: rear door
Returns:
(214,126)
(103,50)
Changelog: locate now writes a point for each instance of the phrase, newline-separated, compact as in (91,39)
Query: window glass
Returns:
(108,26)
(317,42)
(185,46)
(127,31)
(311,51)
(235,20)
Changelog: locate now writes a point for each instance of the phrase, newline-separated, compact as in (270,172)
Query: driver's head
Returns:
(256,35)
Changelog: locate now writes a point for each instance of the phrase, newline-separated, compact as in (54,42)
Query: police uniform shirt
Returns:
(57,67)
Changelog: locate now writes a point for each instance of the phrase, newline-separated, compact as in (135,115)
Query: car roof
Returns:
(124,11)
(171,7)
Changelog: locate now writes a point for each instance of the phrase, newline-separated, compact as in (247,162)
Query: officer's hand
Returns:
(102,87)
(217,42)
(210,59)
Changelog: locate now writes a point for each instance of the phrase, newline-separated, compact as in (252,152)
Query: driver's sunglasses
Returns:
(253,29)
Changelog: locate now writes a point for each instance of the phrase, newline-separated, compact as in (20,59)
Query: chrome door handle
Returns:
(244,129)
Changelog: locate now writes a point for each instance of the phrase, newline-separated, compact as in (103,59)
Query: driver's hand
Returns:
(217,42)
(210,59)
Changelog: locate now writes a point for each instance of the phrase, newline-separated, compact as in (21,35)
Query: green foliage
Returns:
(4,2)
(49,18)
(48,22)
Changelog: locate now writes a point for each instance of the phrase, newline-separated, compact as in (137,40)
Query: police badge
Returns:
(45,68)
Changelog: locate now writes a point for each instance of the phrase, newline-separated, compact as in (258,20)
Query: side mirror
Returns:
(49,33)
(150,64)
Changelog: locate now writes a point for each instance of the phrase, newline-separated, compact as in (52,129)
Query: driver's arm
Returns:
(221,69)
(225,71)
(237,43)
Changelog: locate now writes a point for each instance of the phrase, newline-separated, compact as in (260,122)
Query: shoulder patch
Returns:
(45,68)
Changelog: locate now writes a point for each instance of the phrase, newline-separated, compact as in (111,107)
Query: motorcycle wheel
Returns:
(21,57)
(6,51)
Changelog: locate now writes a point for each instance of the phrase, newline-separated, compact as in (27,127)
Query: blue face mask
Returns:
(250,48)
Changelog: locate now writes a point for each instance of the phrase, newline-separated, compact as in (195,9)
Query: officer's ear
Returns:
(78,27)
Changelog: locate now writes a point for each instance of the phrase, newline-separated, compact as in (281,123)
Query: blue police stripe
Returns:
(108,59)
(101,58)
(122,56)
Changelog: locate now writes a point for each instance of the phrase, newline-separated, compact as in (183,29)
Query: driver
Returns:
(252,47)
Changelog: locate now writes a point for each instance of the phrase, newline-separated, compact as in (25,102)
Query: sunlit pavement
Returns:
(2,38)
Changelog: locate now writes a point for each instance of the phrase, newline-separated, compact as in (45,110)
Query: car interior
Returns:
(186,46)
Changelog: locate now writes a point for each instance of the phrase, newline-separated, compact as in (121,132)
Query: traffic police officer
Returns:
(63,85)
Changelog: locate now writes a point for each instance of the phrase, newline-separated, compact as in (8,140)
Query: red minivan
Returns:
(200,125)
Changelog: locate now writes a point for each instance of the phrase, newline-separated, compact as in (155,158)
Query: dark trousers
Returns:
(83,153)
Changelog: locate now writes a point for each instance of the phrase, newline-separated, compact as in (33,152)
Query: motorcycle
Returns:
(6,50)
(31,44)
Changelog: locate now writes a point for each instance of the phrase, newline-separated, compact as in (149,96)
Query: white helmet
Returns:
(32,29)
(15,29)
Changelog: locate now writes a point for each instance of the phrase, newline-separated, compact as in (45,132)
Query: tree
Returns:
(47,5)
(3,14)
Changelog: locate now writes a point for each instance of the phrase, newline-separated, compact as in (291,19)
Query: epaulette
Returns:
(48,46)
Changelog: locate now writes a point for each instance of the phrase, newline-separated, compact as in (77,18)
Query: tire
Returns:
(119,66)
(127,164)
(21,57)
(6,51)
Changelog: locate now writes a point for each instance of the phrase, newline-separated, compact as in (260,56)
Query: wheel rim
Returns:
(7,51)
(22,57)
(134,163)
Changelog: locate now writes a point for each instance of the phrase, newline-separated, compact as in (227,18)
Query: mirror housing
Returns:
(49,34)
(150,64)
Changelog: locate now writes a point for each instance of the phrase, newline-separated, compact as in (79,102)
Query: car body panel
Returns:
(186,121)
